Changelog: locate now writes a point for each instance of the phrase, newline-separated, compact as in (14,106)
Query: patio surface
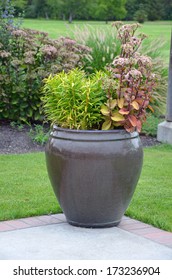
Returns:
(51,237)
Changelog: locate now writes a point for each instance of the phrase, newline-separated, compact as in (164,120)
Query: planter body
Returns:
(93,173)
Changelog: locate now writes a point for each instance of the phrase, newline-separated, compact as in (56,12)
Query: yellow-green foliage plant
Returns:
(73,100)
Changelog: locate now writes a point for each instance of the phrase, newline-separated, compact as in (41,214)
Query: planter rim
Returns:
(92,135)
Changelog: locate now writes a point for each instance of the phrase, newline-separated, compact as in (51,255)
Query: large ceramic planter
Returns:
(94,173)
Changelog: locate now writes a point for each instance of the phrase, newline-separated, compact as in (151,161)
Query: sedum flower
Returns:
(49,51)
(29,57)
(135,41)
(121,61)
(127,48)
(16,62)
(144,61)
(19,33)
(135,74)
(5,54)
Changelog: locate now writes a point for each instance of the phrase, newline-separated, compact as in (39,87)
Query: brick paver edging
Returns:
(128,224)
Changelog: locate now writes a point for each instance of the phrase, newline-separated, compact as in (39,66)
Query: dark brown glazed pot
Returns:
(94,173)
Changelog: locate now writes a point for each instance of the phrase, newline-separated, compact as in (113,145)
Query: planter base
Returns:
(94,225)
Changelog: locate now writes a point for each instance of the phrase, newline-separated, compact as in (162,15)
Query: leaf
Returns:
(124,111)
(5,114)
(106,125)
(117,117)
(105,110)
(133,120)
(129,129)
(150,107)
(116,124)
(139,101)
(113,103)
(135,105)
(121,102)
(139,126)
(29,113)
(146,103)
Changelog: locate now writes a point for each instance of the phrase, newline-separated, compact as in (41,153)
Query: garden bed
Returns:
(17,140)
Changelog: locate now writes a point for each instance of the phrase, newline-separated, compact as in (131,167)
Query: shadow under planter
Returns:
(94,173)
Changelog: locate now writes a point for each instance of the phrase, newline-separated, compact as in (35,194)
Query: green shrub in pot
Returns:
(73,100)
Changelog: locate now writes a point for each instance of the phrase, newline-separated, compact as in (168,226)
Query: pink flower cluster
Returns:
(49,51)
(5,54)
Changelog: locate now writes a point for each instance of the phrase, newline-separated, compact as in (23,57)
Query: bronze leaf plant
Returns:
(130,88)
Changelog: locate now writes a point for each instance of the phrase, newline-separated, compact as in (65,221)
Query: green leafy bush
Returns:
(26,58)
(31,57)
(73,100)
(39,134)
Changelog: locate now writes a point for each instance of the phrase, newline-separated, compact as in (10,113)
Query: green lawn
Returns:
(152,201)
(25,189)
(56,28)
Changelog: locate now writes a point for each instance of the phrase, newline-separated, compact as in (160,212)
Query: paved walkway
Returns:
(51,237)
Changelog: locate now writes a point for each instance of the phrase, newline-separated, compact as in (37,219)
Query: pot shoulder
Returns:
(82,143)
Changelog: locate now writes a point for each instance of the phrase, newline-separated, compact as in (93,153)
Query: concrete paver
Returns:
(62,241)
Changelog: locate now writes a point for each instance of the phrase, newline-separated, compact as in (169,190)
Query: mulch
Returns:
(15,141)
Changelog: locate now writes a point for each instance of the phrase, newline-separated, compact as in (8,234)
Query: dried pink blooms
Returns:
(5,54)
(49,51)
(29,57)
(19,33)
(133,74)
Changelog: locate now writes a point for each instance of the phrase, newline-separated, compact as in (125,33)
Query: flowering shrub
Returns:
(26,58)
(130,88)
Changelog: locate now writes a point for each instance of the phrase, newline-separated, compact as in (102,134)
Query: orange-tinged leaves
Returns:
(121,102)
(133,120)
(124,111)
(117,117)
(106,125)
(139,126)
(139,101)
(105,110)
(128,127)
(135,105)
